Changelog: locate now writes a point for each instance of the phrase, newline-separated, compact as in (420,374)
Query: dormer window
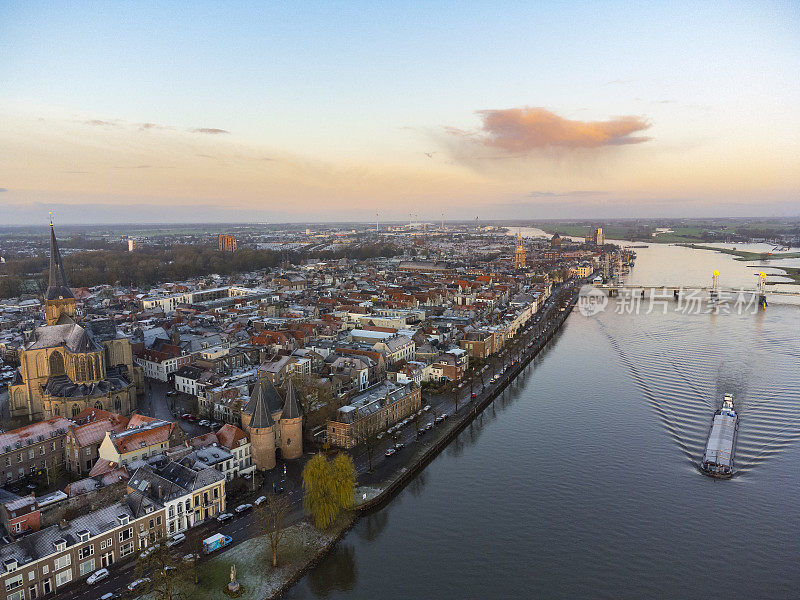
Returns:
(10,565)
(123,519)
(60,545)
(84,535)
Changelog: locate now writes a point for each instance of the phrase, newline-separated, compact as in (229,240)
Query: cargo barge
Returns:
(718,457)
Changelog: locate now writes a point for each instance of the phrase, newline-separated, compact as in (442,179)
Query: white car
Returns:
(224,517)
(190,558)
(204,423)
(176,539)
(260,500)
(134,584)
(98,575)
(243,507)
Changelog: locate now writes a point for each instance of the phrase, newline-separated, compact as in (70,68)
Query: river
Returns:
(581,480)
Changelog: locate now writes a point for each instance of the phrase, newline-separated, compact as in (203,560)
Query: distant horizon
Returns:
(598,221)
(131,215)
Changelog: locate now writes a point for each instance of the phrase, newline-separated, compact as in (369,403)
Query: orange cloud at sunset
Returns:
(521,130)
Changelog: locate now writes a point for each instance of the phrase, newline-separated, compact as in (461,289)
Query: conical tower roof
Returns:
(57,286)
(259,405)
(291,408)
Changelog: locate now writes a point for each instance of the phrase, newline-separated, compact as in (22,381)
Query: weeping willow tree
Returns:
(328,487)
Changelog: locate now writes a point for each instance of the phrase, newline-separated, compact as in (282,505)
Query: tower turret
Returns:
(59,301)
(291,425)
(258,421)
(519,253)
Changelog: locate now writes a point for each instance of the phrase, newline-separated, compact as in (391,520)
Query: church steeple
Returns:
(519,253)
(59,299)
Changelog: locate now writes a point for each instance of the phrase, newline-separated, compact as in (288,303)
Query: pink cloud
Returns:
(522,130)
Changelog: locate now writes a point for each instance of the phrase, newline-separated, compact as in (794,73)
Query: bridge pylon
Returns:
(762,290)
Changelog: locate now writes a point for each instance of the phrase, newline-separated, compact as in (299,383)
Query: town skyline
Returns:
(144,114)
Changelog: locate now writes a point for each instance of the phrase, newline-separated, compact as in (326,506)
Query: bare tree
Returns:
(368,433)
(169,576)
(271,519)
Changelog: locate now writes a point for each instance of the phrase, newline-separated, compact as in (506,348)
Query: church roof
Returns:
(291,408)
(57,286)
(61,386)
(70,335)
(264,394)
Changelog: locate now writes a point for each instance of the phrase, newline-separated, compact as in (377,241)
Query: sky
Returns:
(325,111)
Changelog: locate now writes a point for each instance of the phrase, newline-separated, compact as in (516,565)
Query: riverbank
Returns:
(377,494)
(743,255)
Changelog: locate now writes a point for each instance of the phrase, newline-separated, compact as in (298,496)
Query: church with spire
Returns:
(275,424)
(519,253)
(67,366)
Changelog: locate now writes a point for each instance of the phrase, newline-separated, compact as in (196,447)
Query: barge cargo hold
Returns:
(718,457)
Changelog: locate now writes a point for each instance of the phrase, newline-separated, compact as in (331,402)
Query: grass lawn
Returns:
(253,562)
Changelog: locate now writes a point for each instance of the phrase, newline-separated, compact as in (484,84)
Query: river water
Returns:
(581,480)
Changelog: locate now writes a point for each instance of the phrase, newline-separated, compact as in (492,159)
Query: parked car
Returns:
(427,407)
(224,517)
(474,395)
(204,423)
(98,575)
(148,551)
(176,539)
(260,500)
(190,557)
(438,420)
(277,488)
(109,596)
(390,452)
(186,416)
(243,507)
(399,446)
(429,426)
(138,582)
(444,415)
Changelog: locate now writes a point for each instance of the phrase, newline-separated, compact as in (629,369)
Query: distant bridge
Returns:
(615,288)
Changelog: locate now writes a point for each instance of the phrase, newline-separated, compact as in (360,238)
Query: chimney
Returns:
(160,493)
(63,524)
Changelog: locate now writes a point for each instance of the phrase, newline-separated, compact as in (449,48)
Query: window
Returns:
(103,545)
(87,567)
(18,595)
(8,461)
(31,575)
(41,450)
(158,520)
(126,549)
(13,582)
(45,569)
(62,561)
(63,577)
(31,454)
(150,524)
(86,551)
(88,451)
(126,534)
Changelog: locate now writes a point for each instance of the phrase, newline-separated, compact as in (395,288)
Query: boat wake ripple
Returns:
(684,368)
